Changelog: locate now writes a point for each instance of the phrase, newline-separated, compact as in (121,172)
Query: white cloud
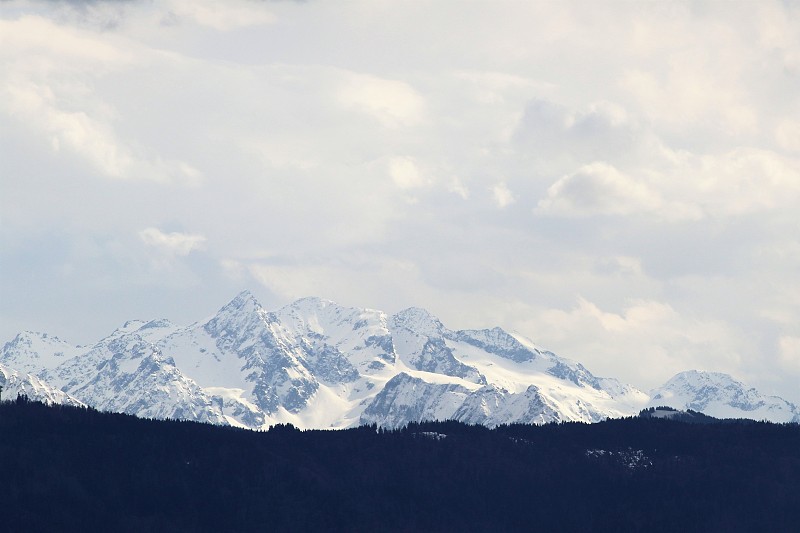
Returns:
(692,85)
(406,174)
(502,195)
(50,93)
(174,243)
(599,188)
(47,43)
(39,89)
(34,106)
(223,17)
(690,95)
(393,103)
(644,343)
(458,188)
(738,182)
(680,186)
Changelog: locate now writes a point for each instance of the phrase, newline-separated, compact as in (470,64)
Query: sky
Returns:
(618,181)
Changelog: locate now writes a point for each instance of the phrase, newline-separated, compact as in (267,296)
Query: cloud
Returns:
(691,94)
(393,103)
(680,186)
(598,130)
(223,17)
(32,36)
(39,107)
(654,339)
(738,182)
(458,188)
(174,243)
(406,174)
(34,105)
(599,189)
(695,90)
(50,93)
(502,195)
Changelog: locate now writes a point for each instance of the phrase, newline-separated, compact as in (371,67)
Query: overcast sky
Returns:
(618,181)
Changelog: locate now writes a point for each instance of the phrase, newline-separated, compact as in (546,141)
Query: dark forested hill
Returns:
(75,469)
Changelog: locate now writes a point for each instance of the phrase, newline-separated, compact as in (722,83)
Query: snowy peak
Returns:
(699,378)
(241,314)
(31,351)
(720,395)
(419,321)
(701,388)
(244,304)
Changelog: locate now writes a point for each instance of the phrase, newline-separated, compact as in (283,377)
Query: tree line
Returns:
(71,468)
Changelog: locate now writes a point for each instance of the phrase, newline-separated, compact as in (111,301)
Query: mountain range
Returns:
(316,364)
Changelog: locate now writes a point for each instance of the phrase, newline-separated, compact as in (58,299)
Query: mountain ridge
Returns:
(316,364)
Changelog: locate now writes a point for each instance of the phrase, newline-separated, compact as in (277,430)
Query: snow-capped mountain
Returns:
(29,352)
(719,395)
(14,383)
(316,364)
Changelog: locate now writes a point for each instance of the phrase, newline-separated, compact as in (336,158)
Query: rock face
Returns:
(721,396)
(316,364)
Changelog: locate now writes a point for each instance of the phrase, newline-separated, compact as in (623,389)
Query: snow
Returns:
(627,458)
(433,435)
(30,352)
(15,383)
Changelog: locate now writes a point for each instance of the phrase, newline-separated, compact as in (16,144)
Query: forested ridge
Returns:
(77,469)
